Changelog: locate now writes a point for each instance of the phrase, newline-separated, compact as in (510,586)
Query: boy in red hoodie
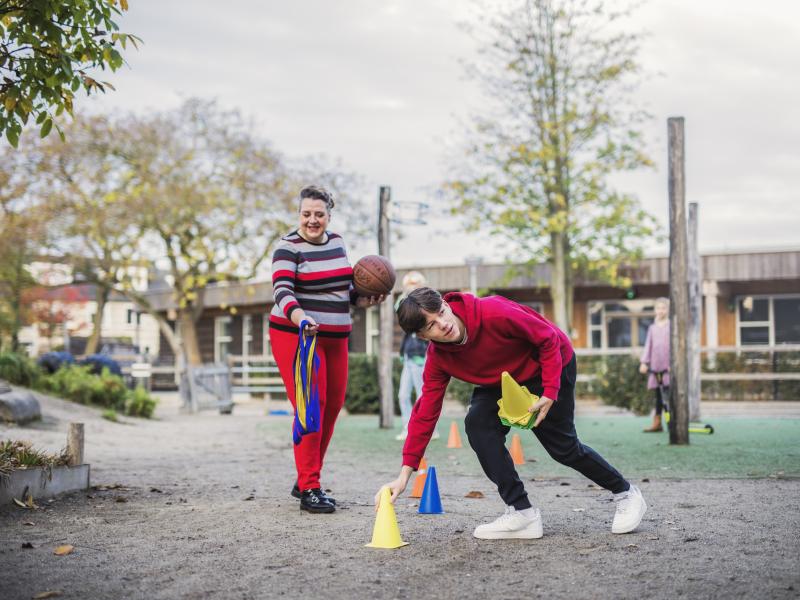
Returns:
(475,340)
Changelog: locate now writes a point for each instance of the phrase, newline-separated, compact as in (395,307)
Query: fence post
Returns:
(695,310)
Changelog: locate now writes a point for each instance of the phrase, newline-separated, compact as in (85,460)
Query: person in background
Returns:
(412,353)
(655,361)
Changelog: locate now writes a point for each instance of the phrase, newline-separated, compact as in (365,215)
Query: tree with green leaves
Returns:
(559,124)
(49,50)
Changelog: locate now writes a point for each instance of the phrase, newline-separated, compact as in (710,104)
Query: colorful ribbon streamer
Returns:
(306,365)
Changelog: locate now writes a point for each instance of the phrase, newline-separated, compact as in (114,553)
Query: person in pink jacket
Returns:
(655,361)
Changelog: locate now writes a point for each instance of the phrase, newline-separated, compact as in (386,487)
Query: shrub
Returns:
(98,362)
(139,403)
(363,391)
(76,383)
(53,361)
(619,383)
(18,369)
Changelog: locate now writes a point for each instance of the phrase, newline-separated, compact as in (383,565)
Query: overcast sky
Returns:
(378,84)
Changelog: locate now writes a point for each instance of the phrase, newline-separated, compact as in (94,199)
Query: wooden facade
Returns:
(726,278)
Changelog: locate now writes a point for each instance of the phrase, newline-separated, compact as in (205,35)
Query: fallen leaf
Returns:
(691,539)
(632,546)
(645,480)
(563,483)
(120,499)
(64,550)
(578,510)
(474,494)
(30,503)
(20,503)
(653,537)
(47,594)
(250,497)
(155,490)
(29,523)
(27,545)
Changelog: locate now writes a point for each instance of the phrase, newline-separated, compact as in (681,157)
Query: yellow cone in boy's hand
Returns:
(386,533)
(515,402)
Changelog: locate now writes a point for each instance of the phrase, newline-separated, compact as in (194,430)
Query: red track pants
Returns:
(309,454)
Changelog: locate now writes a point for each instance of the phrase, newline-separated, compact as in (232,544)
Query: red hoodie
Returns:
(501,336)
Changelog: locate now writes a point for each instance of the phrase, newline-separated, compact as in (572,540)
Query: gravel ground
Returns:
(198,507)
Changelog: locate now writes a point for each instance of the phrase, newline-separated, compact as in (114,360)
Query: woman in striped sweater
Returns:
(312,280)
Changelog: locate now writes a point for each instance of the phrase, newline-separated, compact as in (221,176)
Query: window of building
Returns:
(767,320)
(134,317)
(620,323)
(223,335)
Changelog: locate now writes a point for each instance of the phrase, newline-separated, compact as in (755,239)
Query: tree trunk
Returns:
(97,330)
(559,287)
(188,329)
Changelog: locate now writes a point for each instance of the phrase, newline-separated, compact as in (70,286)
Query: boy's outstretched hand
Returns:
(543,406)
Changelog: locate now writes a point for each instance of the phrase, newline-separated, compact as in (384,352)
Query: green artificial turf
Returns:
(739,447)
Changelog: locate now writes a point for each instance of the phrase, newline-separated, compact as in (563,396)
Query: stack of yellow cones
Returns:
(454,439)
(386,533)
(419,480)
(515,403)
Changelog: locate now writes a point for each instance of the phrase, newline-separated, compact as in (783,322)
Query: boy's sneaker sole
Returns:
(531,532)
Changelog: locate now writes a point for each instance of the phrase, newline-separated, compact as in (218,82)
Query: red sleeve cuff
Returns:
(409,460)
(551,393)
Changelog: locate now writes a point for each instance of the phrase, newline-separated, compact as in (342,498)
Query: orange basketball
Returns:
(373,275)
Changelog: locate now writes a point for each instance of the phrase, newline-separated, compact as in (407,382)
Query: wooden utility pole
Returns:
(695,311)
(678,287)
(387,318)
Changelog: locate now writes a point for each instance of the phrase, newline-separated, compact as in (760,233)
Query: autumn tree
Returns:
(22,237)
(558,124)
(88,185)
(49,50)
(212,198)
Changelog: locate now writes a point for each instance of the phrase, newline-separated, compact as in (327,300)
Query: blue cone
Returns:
(431,503)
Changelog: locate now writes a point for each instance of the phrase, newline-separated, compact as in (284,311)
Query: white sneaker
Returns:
(511,525)
(630,510)
(402,435)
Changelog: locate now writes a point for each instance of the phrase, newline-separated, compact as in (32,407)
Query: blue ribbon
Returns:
(306,367)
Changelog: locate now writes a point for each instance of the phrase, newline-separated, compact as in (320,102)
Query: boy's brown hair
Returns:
(409,311)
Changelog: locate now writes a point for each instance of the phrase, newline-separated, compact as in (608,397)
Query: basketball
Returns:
(373,275)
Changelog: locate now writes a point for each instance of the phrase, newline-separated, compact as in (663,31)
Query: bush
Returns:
(98,362)
(76,383)
(619,383)
(18,369)
(139,403)
(363,392)
(53,361)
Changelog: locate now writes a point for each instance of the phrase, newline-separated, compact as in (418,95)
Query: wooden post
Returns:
(387,318)
(695,311)
(75,444)
(678,288)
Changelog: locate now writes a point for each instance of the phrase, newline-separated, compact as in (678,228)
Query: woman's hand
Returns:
(396,487)
(366,301)
(643,369)
(311,326)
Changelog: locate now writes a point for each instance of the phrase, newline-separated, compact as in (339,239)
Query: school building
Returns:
(749,298)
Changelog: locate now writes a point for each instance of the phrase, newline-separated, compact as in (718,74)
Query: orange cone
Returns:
(419,481)
(516,450)
(454,440)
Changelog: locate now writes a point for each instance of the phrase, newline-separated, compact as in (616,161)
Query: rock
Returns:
(19,407)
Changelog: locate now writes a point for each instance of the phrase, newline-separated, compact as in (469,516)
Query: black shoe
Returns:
(313,501)
(296,494)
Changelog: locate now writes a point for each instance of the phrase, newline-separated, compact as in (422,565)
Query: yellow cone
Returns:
(386,533)
(515,402)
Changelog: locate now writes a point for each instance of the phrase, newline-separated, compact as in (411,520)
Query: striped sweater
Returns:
(315,277)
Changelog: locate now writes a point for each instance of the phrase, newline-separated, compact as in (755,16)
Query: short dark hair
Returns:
(409,312)
(317,192)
